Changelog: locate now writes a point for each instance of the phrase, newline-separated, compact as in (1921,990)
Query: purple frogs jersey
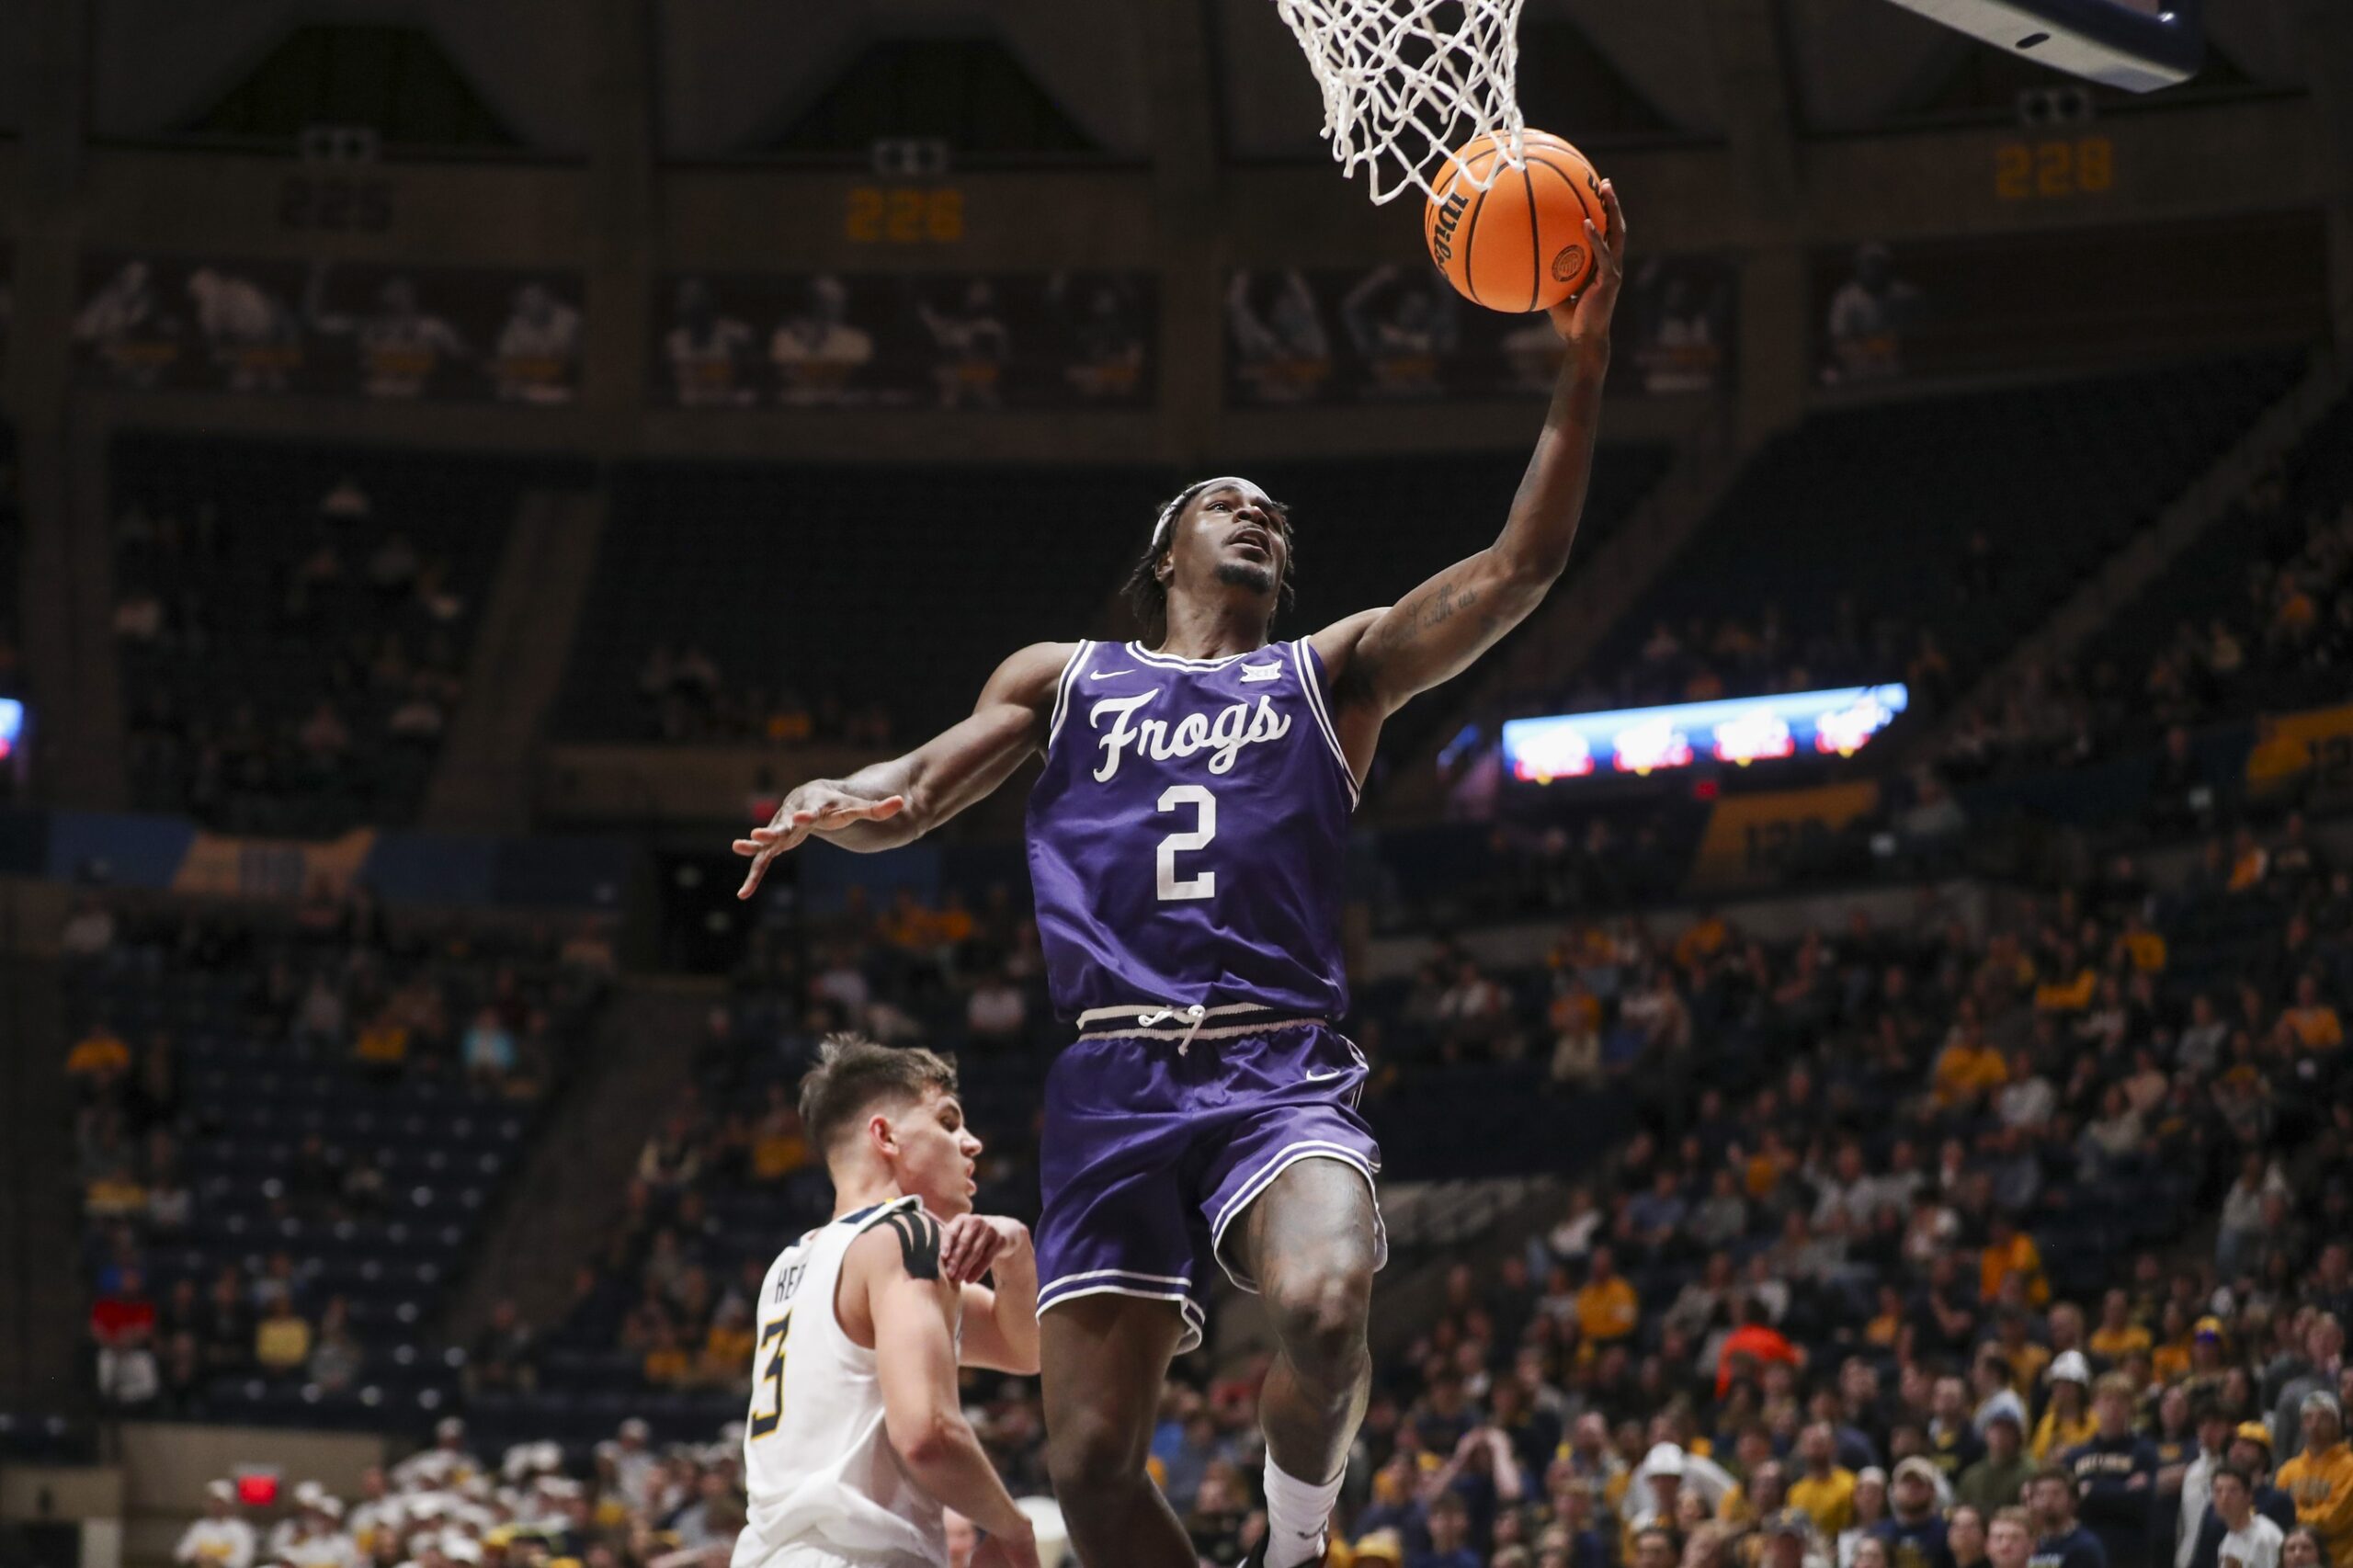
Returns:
(1187,839)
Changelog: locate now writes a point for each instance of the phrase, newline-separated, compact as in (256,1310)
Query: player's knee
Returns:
(1091,1459)
(1320,1306)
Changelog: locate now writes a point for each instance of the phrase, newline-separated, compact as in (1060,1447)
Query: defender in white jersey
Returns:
(856,1440)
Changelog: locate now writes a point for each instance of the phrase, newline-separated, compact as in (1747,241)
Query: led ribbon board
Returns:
(1739,730)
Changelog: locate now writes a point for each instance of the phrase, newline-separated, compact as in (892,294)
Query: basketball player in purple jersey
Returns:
(1186,841)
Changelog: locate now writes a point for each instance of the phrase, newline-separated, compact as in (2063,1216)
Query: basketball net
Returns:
(1405,82)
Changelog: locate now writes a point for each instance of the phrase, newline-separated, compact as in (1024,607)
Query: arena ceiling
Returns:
(732,71)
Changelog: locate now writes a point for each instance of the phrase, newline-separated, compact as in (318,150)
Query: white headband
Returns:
(1160,530)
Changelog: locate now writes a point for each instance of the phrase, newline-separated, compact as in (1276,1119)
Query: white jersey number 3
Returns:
(1172,886)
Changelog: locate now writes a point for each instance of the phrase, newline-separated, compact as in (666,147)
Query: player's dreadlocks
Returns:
(1147,595)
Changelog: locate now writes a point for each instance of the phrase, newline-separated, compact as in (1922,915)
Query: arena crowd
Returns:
(2024,1243)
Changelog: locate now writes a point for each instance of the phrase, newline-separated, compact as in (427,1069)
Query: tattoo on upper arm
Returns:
(1440,606)
(918,1243)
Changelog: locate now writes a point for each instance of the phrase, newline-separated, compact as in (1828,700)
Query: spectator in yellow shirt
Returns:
(282,1340)
(2314,1022)
(1968,1068)
(2010,1251)
(1606,1306)
(99,1058)
(383,1043)
(1703,938)
(727,1348)
(2248,862)
(2118,1336)
(2068,1420)
(1826,1491)
(2072,985)
(2169,1358)
(2021,1359)
(2320,1478)
(780,1144)
(2144,947)
(665,1362)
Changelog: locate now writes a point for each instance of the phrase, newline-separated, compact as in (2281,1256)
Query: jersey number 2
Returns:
(1172,886)
(773,1375)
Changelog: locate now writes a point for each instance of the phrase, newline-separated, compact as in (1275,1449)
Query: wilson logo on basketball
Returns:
(1442,237)
(1567,263)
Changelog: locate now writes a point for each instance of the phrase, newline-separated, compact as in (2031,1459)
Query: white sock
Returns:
(1298,1512)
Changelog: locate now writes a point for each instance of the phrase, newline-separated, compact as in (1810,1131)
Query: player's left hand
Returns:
(970,1245)
(1582,321)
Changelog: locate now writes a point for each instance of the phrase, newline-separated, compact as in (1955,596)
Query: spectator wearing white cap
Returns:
(1999,1479)
(324,1543)
(2320,1478)
(1664,1474)
(2067,1420)
(635,1464)
(220,1540)
(1914,1528)
(296,1524)
(446,1464)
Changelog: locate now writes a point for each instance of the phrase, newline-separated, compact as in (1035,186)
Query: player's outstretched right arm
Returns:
(914,1303)
(895,802)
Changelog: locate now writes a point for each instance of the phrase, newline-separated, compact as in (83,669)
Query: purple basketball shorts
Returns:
(1154,1145)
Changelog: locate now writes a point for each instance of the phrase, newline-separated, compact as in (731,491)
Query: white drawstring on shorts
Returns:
(1192,1014)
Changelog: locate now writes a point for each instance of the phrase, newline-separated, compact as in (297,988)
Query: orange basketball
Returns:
(1520,243)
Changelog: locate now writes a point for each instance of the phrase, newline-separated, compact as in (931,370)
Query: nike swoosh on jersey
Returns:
(1107,675)
(1320,1077)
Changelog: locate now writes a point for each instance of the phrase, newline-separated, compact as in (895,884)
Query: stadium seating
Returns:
(946,570)
(928,577)
(295,622)
(2230,574)
(1371,530)
(1710,1057)
(2055,476)
(257,1094)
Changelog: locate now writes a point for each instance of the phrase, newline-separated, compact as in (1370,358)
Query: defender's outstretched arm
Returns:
(888,804)
(1381,657)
